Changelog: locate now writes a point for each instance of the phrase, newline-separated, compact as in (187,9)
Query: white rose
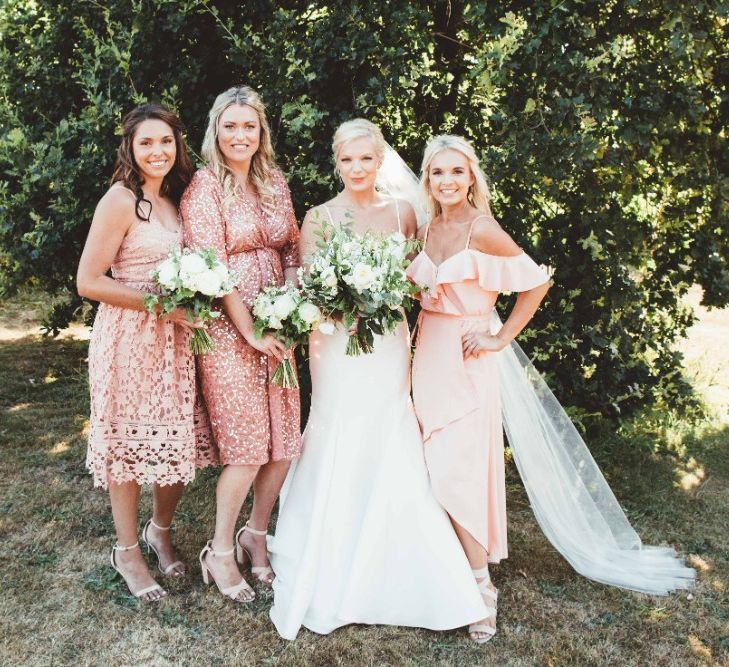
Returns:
(283,306)
(274,323)
(309,312)
(350,248)
(328,278)
(207,282)
(327,327)
(262,308)
(192,263)
(166,273)
(221,271)
(362,277)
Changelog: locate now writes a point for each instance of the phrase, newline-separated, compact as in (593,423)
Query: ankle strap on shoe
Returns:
(158,527)
(118,547)
(254,531)
(218,554)
(481,572)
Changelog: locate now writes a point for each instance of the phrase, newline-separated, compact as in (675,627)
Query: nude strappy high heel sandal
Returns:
(231,592)
(264,574)
(170,569)
(490,598)
(138,594)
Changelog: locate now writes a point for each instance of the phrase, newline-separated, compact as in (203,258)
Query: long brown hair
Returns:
(126,170)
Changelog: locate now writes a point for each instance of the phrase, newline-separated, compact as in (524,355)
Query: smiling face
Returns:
(357,163)
(239,133)
(154,148)
(450,178)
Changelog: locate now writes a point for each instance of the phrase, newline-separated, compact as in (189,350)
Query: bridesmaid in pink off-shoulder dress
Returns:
(240,206)
(466,260)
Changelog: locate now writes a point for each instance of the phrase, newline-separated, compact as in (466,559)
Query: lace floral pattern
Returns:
(142,426)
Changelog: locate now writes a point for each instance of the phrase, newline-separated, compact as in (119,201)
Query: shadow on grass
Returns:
(55,533)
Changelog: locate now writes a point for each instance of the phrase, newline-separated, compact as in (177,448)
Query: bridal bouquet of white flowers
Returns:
(191,279)
(361,280)
(287,315)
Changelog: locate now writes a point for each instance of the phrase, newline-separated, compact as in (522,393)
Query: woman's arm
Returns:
(490,238)
(113,218)
(290,254)
(204,225)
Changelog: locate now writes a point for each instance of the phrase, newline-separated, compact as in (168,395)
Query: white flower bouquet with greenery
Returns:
(360,280)
(290,318)
(192,280)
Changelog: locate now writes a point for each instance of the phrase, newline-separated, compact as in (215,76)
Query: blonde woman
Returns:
(468,258)
(240,205)
(467,372)
(360,537)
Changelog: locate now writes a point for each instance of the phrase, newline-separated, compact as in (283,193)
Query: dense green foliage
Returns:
(601,125)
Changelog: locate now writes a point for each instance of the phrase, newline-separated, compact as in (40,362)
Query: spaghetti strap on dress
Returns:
(458,400)
(141,378)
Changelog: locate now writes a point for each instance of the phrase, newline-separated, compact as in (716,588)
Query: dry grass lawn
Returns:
(62,605)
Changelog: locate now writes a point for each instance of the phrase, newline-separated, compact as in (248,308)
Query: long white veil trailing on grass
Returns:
(572,502)
(569,496)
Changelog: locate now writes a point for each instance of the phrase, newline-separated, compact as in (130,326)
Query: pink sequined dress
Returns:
(252,421)
(142,378)
(457,400)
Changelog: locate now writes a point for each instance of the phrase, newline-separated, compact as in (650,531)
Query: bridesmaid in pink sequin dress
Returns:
(141,370)
(467,259)
(239,204)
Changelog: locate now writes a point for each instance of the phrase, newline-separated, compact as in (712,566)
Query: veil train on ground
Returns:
(572,502)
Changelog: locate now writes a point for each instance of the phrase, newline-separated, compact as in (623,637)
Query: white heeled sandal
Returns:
(141,593)
(490,598)
(170,569)
(264,574)
(232,592)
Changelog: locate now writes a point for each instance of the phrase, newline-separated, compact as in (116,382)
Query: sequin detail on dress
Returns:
(252,421)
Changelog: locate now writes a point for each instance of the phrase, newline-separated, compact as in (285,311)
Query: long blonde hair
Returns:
(263,162)
(479,194)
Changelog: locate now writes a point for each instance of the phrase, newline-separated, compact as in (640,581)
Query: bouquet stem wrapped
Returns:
(289,317)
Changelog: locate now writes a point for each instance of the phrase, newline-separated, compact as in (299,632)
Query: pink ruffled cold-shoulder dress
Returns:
(457,400)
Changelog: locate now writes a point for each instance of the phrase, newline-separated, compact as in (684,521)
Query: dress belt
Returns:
(450,316)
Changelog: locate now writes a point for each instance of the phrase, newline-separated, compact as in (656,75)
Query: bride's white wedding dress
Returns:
(360,537)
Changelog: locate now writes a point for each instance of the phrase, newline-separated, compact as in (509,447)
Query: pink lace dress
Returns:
(142,378)
(457,400)
(252,421)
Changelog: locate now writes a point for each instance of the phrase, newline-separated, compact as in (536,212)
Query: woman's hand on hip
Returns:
(475,343)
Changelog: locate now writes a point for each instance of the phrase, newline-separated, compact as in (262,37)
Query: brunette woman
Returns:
(141,370)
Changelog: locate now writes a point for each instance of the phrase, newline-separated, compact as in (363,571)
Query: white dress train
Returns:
(360,537)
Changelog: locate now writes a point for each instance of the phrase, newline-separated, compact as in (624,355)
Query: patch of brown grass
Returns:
(62,605)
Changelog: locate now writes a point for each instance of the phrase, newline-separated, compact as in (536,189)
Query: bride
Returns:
(360,537)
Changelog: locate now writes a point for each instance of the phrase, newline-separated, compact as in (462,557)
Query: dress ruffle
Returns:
(518,273)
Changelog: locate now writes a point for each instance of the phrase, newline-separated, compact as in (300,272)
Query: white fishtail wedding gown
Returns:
(360,537)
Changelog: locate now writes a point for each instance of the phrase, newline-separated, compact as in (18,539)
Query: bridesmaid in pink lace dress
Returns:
(467,259)
(239,204)
(141,371)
